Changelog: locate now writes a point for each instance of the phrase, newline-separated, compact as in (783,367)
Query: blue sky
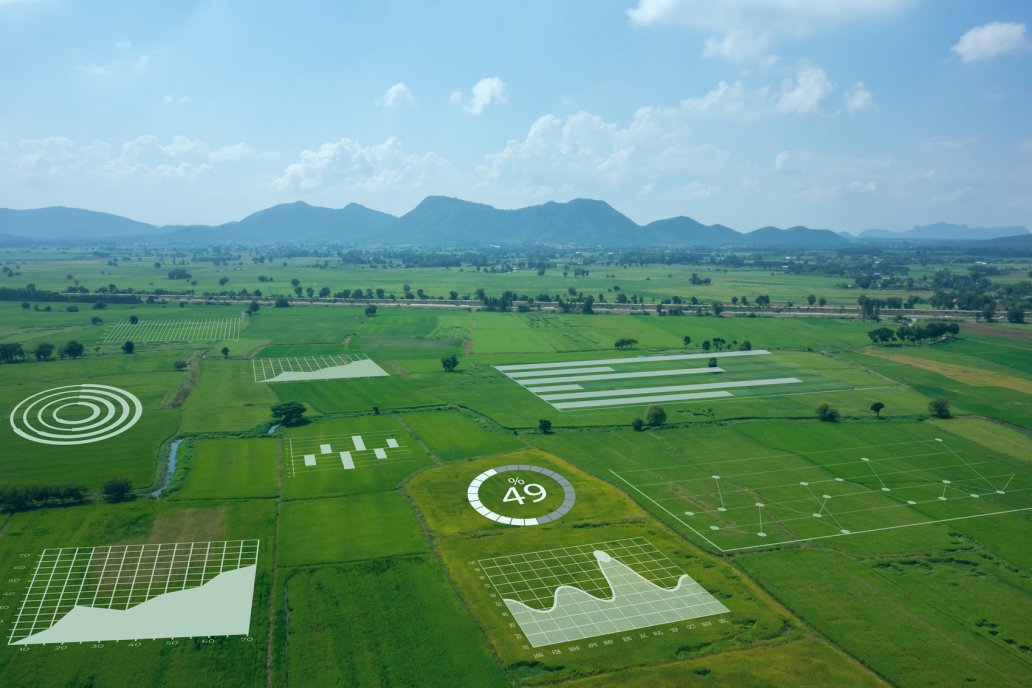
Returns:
(849,115)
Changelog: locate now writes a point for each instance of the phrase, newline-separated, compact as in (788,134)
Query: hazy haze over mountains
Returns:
(446,221)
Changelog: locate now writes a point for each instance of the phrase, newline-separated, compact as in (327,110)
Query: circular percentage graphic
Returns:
(76,414)
(522,492)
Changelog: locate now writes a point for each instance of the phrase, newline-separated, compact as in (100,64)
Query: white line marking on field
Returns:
(346,460)
(556,388)
(631,401)
(358,442)
(628,359)
(626,376)
(559,371)
(672,388)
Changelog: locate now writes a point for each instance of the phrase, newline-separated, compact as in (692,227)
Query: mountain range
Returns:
(451,222)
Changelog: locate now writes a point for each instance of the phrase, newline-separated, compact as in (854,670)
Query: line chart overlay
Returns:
(138,592)
(572,593)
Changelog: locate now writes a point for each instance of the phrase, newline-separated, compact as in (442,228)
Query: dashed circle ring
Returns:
(473,494)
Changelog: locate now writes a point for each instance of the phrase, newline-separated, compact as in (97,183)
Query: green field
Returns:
(896,548)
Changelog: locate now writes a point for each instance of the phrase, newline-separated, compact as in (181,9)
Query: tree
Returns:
(827,413)
(180,365)
(281,302)
(96,320)
(638,424)
(128,347)
(940,408)
(72,349)
(43,351)
(225,352)
(324,293)
(822,301)
(1016,314)
(712,363)
(706,345)
(223,281)
(134,319)
(253,307)
(289,413)
(450,363)
(625,343)
(745,346)
(26,305)
(118,489)
(370,310)
(811,299)
(876,408)
(545,426)
(687,341)
(655,416)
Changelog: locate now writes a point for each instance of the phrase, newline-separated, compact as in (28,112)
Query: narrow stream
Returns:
(170,471)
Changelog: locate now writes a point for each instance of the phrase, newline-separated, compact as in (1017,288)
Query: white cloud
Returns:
(805,93)
(953,195)
(348,164)
(859,98)
(398,94)
(487,92)
(143,158)
(135,65)
(991,40)
(801,93)
(169,99)
(1025,146)
(746,28)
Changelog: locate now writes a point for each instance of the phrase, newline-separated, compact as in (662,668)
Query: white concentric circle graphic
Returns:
(76,414)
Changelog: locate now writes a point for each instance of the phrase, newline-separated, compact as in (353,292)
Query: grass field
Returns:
(374,566)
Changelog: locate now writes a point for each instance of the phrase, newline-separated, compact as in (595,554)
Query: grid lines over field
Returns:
(118,577)
(583,591)
(265,369)
(201,330)
(746,502)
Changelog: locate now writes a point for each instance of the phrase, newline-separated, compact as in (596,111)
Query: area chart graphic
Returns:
(138,592)
(572,593)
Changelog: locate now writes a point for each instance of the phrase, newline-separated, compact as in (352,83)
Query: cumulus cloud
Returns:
(347,163)
(805,92)
(802,92)
(991,40)
(746,28)
(486,93)
(145,157)
(398,94)
(859,98)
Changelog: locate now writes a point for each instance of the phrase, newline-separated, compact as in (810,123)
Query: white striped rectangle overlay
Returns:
(630,360)
(631,401)
(626,376)
(672,388)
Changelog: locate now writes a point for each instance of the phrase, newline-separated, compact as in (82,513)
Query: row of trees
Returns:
(913,333)
(19,497)
(14,352)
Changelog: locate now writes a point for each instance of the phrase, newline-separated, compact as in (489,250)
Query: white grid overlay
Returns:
(264,369)
(584,591)
(120,576)
(736,504)
(203,330)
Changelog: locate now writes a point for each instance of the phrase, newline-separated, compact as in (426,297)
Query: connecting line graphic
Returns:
(798,511)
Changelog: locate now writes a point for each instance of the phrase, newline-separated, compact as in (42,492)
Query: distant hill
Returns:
(450,222)
(684,231)
(58,222)
(944,231)
(795,237)
(352,223)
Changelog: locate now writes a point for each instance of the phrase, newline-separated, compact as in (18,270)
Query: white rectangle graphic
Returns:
(358,442)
